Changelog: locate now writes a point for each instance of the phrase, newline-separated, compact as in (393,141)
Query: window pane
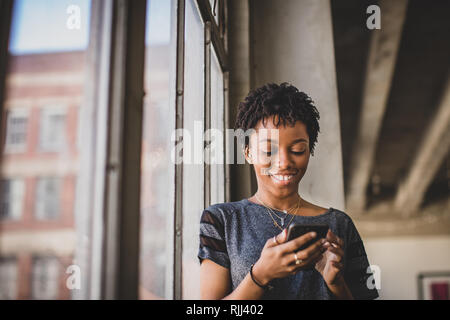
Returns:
(193,174)
(45,84)
(8,278)
(12,193)
(217,124)
(157,177)
(44,278)
(16,130)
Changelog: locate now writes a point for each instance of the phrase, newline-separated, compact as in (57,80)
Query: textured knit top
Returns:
(233,234)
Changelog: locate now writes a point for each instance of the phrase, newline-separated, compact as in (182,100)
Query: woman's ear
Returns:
(248,157)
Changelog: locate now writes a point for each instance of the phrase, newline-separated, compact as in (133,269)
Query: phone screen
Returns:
(297,230)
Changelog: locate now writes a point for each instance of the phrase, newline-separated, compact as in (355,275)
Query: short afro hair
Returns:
(285,101)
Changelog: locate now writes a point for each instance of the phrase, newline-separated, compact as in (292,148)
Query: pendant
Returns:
(282,222)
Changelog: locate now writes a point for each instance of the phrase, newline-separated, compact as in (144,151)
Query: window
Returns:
(12,198)
(45,91)
(47,205)
(157,174)
(52,130)
(71,148)
(16,131)
(193,167)
(45,278)
(165,244)
(217,123)
(8,278)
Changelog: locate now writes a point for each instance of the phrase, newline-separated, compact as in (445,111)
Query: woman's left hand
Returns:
(330,266)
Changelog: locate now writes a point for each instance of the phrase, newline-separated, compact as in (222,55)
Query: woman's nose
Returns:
(282,160)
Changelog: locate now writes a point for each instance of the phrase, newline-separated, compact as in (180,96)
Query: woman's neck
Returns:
(282,203)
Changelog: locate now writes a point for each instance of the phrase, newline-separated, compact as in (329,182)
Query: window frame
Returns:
(115,64)
(116,58)
(6,7)
(213,37)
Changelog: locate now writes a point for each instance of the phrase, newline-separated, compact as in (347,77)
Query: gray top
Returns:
(232,234)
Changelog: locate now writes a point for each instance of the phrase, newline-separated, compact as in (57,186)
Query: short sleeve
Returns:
(357,268)
(212,239)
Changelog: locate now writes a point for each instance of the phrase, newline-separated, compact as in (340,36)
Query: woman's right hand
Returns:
(277,258)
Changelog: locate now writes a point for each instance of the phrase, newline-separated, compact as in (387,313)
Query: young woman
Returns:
(244,252)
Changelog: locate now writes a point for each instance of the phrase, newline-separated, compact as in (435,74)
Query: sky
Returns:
(41,25)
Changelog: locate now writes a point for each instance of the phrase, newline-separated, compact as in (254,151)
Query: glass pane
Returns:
(157,175)
(193,175)
(45,81)
(218,135)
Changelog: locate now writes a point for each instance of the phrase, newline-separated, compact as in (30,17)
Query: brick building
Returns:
(39,172)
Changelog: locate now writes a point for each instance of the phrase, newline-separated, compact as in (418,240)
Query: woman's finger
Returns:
(315,250)
(282,237)
(337,251)
(277,239)
(337,265)
(331,236)
(296,243)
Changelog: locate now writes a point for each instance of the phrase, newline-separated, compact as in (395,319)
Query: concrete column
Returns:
(239,61)
(292,41)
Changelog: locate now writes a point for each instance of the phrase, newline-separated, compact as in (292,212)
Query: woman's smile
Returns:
(283,180)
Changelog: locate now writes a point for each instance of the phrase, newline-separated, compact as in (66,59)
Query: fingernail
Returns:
(322,241)
(334,245)
(313,234)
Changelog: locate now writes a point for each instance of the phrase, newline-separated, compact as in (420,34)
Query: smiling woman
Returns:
(242,253)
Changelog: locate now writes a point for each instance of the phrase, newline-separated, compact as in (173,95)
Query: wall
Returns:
(293,43)
(402,259)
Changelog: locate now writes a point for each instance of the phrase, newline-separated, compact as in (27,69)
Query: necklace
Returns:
(282,210)
(270,211)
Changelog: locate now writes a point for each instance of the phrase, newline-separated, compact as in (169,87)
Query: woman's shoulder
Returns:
(316,210)
(225,209)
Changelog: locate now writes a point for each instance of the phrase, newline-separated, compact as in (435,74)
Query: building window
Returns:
(45,278)
(12,194)
(16,131)
(8,278)
(52,128)
(47,198)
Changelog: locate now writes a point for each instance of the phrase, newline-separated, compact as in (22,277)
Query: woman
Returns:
(244,252)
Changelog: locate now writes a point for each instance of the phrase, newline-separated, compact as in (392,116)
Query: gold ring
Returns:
(275,240)
(297,260)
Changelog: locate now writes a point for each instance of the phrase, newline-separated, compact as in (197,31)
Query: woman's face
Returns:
(280,156)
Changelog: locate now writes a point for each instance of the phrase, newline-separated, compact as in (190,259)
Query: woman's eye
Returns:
(298,152)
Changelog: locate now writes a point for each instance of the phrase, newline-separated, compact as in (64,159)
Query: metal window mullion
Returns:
(226,123)
(117,61)
(207,116)
(216,39)
(179,124)
(122,214)
(91,188)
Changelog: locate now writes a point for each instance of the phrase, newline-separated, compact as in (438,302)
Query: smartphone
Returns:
(296,230)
